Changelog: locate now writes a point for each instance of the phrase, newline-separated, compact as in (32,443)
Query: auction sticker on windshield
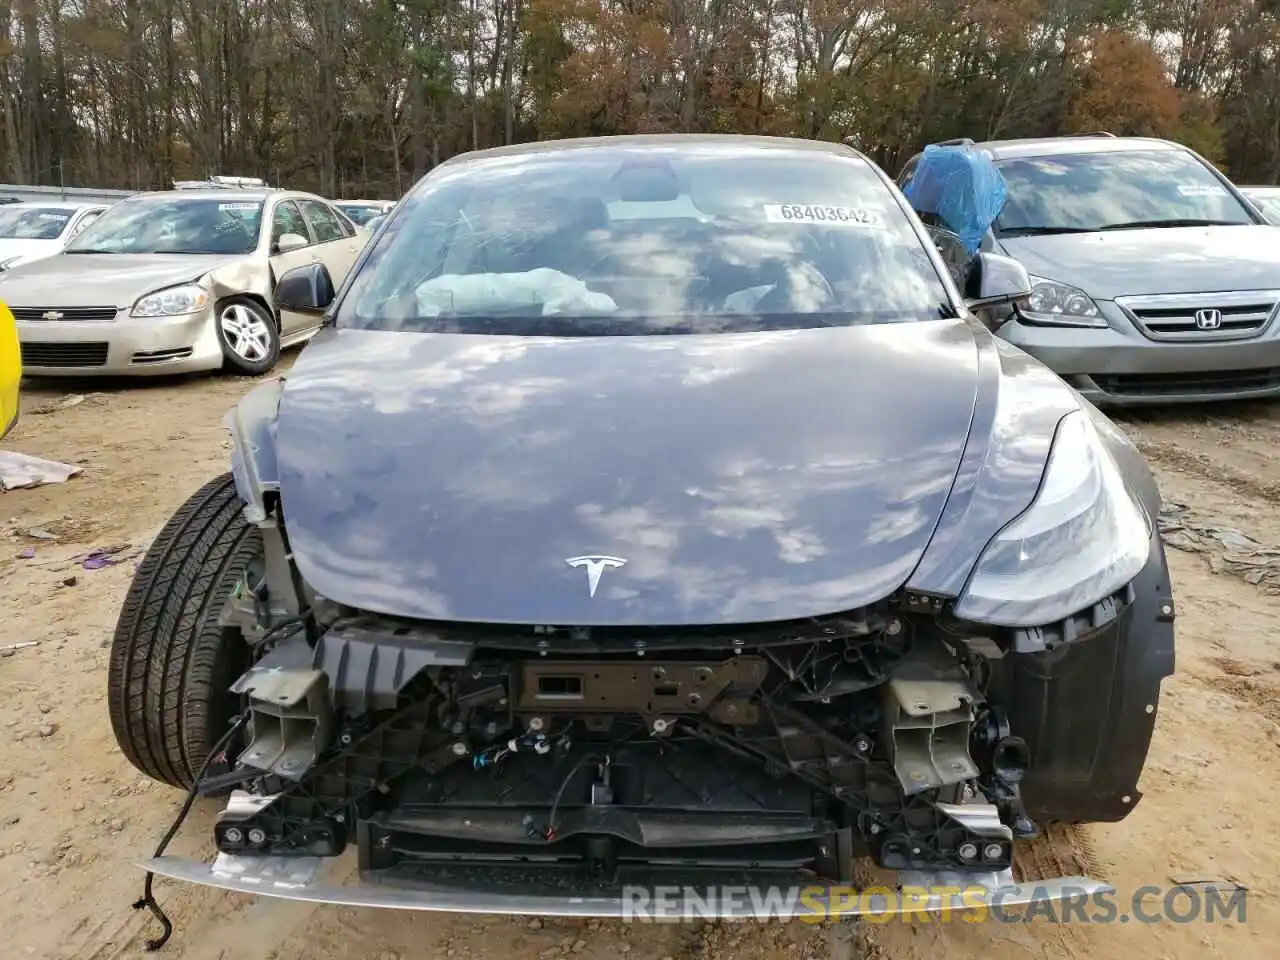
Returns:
(817,213)
(237,206)
(1202,190)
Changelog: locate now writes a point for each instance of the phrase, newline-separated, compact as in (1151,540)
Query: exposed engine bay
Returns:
(496,753)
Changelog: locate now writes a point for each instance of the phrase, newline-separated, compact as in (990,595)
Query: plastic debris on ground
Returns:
(103,557)
(19,471)
(1227,549)
(9,649)
(962,187)
(98,558)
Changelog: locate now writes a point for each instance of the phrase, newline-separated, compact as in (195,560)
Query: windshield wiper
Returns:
(195,253)
(1040,231)
(89,250)
(1175,222)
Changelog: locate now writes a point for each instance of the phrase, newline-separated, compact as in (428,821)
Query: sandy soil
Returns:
(74,816)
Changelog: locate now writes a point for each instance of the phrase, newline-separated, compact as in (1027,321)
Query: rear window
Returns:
(619,241)
(1112,190)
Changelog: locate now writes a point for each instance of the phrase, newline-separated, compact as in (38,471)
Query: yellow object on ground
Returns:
(10,370)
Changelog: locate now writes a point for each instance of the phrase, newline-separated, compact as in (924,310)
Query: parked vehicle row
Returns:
(1154,279)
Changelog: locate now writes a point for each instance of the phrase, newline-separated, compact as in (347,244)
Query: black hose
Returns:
(148,901)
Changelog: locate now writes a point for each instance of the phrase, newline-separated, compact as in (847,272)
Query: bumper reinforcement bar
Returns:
(302,879)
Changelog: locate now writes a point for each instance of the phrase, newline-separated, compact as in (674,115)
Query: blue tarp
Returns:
(962,187)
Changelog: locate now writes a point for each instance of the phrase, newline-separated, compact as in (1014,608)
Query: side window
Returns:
(908,172)
(87,219)
(348,228)
(287,219)
(323,220)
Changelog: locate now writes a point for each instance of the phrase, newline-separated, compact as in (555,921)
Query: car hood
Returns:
(1166,260)
(741,477)
(101,279)
(12,247)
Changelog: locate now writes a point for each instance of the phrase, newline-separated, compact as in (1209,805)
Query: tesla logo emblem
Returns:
(52,315)
(595,566)
(1208,319)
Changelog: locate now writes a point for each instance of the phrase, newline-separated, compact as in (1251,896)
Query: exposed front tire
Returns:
(171,663)
(249,336)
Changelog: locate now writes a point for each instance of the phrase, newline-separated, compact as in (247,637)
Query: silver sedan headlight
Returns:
(1082,539)
(173,302)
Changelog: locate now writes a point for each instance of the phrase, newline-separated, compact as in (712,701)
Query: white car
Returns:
(32,231)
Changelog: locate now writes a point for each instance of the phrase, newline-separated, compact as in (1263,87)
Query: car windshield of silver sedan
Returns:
(644,240)
(191,225)
(33,223)
(1120,190)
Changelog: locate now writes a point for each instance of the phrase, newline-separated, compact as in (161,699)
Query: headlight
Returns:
(11,262)
(1060,304)
(172,302)
(1082,539)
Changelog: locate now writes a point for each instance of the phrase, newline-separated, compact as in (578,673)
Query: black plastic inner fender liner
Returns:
(1087,709)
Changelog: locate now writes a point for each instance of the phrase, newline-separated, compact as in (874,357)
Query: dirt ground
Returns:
(75,817)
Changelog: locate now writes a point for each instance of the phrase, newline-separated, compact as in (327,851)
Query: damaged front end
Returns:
(546,769)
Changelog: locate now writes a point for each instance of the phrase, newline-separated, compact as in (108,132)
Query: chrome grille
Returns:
(57,314)
(1173,317)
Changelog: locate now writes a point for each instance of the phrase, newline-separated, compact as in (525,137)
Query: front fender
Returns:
(252,424)
(1019,405)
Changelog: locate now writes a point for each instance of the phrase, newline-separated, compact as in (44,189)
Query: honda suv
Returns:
(1154,279)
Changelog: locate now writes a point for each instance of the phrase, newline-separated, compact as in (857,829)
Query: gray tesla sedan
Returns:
(176,282)
(650,510)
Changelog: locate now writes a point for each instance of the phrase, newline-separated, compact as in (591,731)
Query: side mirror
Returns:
(290,241)
(995,281)
(305,289)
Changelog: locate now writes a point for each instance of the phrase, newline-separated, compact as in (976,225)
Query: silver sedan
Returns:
(176,282)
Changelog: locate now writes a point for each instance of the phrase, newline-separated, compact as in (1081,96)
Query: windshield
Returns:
(359,213)
(636,240)
(174,224)
(1108,191)
(33,223)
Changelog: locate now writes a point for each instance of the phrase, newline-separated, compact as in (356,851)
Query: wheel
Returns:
(249,336)
(171,664)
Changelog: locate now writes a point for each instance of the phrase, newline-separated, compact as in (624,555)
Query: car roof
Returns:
(213,193)
(1267,189)
(1080,144)
(72,205)
(631,141)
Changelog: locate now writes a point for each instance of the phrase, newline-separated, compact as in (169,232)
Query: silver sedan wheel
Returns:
(246,332)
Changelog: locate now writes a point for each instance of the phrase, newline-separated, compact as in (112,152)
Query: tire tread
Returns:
(170,659)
